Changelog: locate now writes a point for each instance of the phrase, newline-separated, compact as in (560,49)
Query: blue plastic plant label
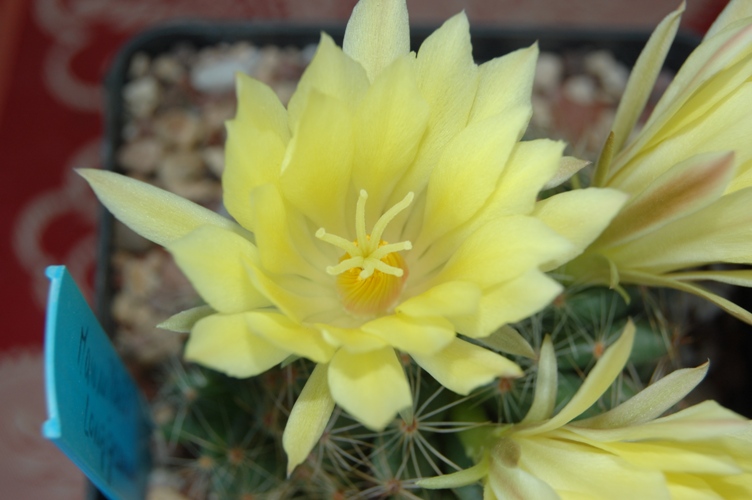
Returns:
(96,414)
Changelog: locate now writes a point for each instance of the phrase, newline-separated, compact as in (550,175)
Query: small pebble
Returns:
(141,96)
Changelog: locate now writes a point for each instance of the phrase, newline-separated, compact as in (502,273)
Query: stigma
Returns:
(370,274)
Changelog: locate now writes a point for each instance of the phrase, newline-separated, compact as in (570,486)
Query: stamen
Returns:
(385,268)
(338,241)
(378,228)
(360,221)
(385,250)
(345,265)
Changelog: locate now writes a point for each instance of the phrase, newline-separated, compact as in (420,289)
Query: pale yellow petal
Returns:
(508,481)
(736,277)
(704,421)
(579,216)
(155,214)
(425,336)
(600,378)
(682,190)
(331,73)
(502,250)
(457,479)
(468,171)
(283,246)
(214,261)
(352,339)
(300,299)
(719,232)
(184,321)
(735,10)
(528,168)
(388,127)
(224,343)
(505,83)
(285,334)
(651,402)
(668,282)
(447,80)
(510,302)
(575,470)
(255,145)
(568,166)
(252,158)
(308,418)
(371,387)
(377,34)
(259,106)
(643,77)
(532,164)
(507,339)
(316,173)
(462,366)
(546,384)
(671,458)
(453,298)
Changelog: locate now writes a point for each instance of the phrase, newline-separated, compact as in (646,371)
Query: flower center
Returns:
(370,274)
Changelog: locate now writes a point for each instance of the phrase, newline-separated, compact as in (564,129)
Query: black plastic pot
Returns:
(487,43)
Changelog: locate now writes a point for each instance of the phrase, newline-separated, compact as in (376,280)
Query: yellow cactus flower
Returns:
(704,451)
(688,171)
(390,206)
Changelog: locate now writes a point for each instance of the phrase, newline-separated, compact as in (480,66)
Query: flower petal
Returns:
(283,246)
(600,378)
(704,421)
(425,336)
(285,334)
(510,302)
(184,321)
(224,343)
(507,339)
(255,145)
(354,340)
(389,125)
(308,418)
(252,158)
(507,480)
(453,298)
(651,402)
(546,385)
(214,260)
(502,250)
(316,172)
(377,34)
(372,387)
(579,216)
(332,73)
(155,214)
(668,282)
(505,83)
(575,470)
(644,74)
(447,80)
(726,231)
(462,366)
(686,188)
(298,298)
(456,479)
(735,10)
(468,171)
